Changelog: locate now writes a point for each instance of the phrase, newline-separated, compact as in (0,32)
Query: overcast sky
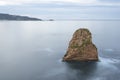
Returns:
(63,9)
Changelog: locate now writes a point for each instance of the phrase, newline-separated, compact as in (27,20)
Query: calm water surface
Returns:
(33,50)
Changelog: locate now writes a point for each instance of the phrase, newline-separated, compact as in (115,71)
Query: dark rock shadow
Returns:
(81,70)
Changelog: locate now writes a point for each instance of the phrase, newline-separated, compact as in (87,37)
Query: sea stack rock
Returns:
(81,47)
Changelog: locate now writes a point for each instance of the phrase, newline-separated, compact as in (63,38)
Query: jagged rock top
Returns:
(81,47)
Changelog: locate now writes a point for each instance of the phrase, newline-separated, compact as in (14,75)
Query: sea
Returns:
(33,50)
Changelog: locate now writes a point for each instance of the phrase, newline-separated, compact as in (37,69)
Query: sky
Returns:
(63,9)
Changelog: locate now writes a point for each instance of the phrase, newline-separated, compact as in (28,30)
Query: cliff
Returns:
(81,47)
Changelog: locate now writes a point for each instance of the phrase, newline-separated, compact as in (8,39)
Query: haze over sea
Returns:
(33,50)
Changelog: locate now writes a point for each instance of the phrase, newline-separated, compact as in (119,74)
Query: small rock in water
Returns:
(81,47)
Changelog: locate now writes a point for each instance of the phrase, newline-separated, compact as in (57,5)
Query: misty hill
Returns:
(16,17)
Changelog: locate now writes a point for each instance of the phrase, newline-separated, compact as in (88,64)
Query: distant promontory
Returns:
(17,17)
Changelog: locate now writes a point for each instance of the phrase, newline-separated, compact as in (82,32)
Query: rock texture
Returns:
(81,47)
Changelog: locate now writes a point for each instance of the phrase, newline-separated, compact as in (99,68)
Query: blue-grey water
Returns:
(32,50)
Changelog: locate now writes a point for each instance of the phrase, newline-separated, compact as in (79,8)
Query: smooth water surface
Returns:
(32,50)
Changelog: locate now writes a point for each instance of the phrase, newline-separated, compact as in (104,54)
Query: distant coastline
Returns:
(17,17)
(10,17)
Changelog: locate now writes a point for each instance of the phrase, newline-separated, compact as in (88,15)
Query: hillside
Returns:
(16,17)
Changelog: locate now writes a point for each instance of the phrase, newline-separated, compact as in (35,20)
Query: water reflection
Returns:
(81,70)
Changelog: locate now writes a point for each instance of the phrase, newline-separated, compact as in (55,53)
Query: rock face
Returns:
(81,47)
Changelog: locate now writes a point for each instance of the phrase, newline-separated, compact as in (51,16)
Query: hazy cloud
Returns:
(115,1)
(59,9)
(84,2)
